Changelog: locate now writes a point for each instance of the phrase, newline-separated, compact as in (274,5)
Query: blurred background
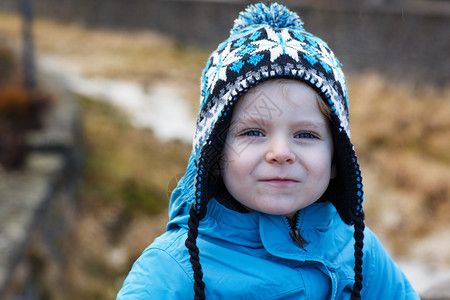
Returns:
(98,101)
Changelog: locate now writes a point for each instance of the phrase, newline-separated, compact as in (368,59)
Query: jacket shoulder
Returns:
(162,271)
(383,278)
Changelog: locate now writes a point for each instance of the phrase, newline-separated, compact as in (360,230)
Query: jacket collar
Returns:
(271,232)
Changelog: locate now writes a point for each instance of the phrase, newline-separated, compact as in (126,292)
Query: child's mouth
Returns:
(280,181)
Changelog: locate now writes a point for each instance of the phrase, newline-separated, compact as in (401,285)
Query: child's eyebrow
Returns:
(318,125)
(248,120)
(314,124)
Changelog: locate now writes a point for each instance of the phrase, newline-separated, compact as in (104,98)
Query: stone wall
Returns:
(404,42)
(38,205)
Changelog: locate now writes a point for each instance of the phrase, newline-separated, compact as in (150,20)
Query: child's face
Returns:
(279,149)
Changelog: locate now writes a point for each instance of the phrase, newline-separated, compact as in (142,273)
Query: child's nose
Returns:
(280,151)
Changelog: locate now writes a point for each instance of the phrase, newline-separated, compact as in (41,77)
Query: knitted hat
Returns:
(267,43)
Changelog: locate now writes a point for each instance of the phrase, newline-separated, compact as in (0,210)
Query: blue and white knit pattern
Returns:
(268,43)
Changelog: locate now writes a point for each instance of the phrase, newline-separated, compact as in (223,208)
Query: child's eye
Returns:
(305,135)
(252,132)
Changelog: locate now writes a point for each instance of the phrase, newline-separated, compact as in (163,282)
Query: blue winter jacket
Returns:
(252,256)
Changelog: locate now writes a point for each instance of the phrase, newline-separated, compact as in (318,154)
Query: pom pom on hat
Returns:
(277,16)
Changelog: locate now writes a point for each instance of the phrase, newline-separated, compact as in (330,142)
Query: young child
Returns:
(270,206)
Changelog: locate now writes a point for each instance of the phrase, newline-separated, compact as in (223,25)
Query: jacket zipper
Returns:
(295,231)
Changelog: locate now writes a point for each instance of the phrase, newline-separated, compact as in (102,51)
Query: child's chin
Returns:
(279,211)
(277,207)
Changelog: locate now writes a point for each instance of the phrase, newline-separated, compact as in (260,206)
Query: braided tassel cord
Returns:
(359,243)
(191,244)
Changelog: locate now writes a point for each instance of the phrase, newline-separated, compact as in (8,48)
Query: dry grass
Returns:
(123,200)
(402,136)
